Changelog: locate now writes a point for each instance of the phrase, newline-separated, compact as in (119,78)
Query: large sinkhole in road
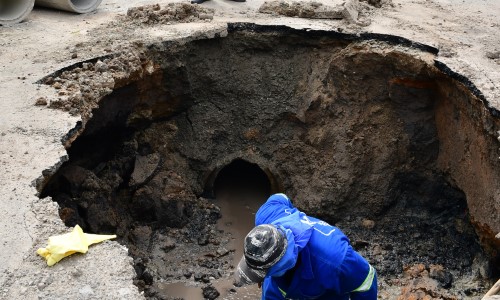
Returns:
(368,134)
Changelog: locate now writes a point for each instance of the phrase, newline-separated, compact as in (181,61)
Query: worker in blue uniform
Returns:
(295,256)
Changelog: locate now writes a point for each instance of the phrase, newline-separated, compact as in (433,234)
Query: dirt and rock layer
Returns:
(170,14)
(353,131)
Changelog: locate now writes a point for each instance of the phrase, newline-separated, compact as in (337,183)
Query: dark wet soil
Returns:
(196,250)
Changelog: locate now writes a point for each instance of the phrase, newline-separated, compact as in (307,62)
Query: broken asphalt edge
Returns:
(283,29)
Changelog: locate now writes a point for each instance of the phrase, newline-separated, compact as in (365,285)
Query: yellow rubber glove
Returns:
(60,246)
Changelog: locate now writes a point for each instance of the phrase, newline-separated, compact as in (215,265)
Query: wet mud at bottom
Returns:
(239,194)
(238,212)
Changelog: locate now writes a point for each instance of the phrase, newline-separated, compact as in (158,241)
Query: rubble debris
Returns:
(171,13)
(347,10)
(42,101)
(421,284)
(83,86)
(368,224)
(376,3)
(444,277)
(493,54)
(209,292)
(144,168)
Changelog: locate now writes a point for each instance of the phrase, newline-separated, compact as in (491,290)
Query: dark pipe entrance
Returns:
(239,188)
(241,177)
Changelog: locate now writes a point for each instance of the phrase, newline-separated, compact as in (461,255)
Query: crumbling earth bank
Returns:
(169,14)
(353,130)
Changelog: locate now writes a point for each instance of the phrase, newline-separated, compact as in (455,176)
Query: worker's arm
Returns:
(354,276)
(276,206)
(271,291)
(358,277)
(367,292)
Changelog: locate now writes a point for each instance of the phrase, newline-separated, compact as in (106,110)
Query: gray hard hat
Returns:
(264,246)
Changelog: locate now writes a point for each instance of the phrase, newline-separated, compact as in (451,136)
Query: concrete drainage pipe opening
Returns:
(14,11)
(366,132)
(77,6)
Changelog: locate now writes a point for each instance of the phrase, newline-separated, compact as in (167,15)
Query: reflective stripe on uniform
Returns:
(282,292)
(367,284)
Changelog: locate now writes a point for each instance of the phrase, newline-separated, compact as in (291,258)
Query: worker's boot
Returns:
(198,1)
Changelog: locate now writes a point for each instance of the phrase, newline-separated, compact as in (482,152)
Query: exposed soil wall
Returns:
(469,154)
(353,130)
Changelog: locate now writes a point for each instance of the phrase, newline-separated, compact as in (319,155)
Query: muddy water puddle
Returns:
(181,290)
(238,207)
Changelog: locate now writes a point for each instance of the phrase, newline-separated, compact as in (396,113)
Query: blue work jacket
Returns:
(319,262)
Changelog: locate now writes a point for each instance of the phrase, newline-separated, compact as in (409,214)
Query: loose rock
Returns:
(210,292)
(42,101)
(314,10)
